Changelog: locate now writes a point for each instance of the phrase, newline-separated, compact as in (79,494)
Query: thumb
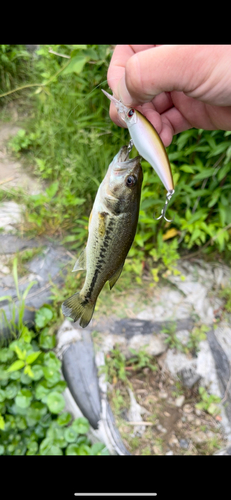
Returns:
(196,70)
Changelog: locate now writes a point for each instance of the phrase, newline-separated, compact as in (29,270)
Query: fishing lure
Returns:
(149,145)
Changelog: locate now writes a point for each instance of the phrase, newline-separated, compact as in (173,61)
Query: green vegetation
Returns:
(209,402)
(32,416)
(117,366)
(196,335)
(70,141)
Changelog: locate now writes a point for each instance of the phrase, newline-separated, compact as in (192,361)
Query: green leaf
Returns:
(16,365)
(64,419)
(35,413)
(51,374)
(80,425)
(6,297)
(5,354)
(15,274)
(207,172)
(37,372)
(47,341)
(70,435)
(32,357)
(84,449)
(72,449)
(99,449)
(32,448)
(52,361)
(55,402)
(2,423)
(21,354)
(223,171)
(77,46)
(43,316)
(42,391)
(28,371)
(2,396)
(47,448)
(215,196)
(11,390)
(25,293)
(187,168)
(23,398)
(76,64)
(52,189)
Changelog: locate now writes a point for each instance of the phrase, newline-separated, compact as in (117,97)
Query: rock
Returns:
(176,361)
(199,280)
(42,269)
(173,440)
(161,428)
(188,376)
(179,401)
(184,444)
(10,213)
(163,395)
(199,437)
(183,336)
(187,408)
(154,344)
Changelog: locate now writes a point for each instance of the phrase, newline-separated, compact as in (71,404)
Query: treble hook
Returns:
(163,211)
(130,145)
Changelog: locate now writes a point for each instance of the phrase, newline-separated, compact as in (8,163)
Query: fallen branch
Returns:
(140,423)
(35,84)
(7,180)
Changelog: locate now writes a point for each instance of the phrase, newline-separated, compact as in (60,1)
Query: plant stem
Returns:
(35,84)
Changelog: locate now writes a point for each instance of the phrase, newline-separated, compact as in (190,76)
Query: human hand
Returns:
(176,87)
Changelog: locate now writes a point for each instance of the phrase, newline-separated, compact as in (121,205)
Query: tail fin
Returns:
(75,308)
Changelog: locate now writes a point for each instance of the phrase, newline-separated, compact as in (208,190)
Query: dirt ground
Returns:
(173,425)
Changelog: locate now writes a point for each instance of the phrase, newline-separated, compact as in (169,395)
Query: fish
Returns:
(112,227)
(148,144)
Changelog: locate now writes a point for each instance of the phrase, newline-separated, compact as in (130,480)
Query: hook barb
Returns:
(163,211)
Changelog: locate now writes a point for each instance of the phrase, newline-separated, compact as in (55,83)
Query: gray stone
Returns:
(184,444)
(188,376)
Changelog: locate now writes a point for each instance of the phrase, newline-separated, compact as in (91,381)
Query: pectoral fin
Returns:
(115,277)
(80,264)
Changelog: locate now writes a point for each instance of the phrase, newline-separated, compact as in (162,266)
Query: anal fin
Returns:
(115,276)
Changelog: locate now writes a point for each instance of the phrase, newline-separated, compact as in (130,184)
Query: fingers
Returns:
(200,71)
(121,55)
(156,70)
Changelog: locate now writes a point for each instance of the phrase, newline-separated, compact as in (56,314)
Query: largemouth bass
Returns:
(112,228)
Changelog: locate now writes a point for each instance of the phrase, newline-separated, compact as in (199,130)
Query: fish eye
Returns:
(131,113)
(131,181)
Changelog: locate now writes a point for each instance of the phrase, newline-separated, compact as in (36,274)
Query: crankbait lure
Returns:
(149,145)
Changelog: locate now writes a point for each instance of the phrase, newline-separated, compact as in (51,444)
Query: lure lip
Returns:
(121,108)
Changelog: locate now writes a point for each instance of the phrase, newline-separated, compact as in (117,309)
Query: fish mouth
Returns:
(122,161)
